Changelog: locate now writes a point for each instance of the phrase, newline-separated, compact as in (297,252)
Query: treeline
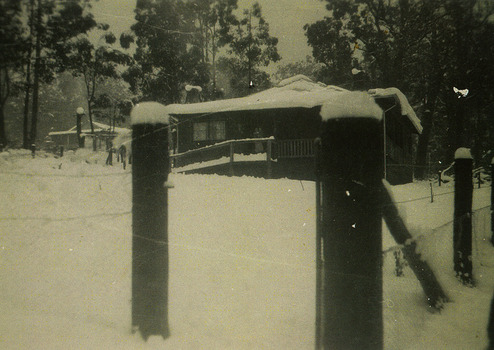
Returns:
(173,43)
(432,50)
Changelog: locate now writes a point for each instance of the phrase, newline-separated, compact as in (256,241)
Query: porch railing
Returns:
(274,149)
(297,148)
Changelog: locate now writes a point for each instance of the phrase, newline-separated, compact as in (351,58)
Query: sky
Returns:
(286,19)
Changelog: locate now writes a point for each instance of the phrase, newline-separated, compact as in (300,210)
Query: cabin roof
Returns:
(98,127)
(402,101)
(295,92)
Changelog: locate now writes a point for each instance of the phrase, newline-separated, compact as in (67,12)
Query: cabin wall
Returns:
(283,124)
(295,124)
(68,141)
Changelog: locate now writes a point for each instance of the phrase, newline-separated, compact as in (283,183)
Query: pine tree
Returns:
(251,46)
(425,48)
(50,28)
(11,50)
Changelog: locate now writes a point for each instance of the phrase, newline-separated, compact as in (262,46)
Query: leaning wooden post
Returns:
(462,224)
(150,220)
(351,174)
(436,296)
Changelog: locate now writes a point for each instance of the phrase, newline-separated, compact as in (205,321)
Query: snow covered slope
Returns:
(241,266)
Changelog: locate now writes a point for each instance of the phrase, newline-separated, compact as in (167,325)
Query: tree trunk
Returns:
(213,55)
(3,134)
(90,114)
(25,126)
(4,94)
(37,68)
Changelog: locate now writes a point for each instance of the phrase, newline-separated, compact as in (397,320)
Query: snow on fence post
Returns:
(351,224)
(462,222)
(150,219)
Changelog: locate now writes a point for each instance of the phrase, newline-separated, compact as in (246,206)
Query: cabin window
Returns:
(217,130)
(200,131)
(209,131)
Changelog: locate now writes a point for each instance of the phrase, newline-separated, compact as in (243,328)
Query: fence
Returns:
(349,227)
(224,152)
(436,245)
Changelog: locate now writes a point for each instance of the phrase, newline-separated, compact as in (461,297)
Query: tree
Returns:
(309,68)
(236,82)
(114,101)
(11,49)
(421,47)
(50,26)
(211,20)
(165,58)
(95,64)
(331,47)
(249,42)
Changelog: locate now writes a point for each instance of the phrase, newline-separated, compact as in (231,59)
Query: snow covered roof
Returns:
(298,91)
(98,127)
(351,104)
(400,98)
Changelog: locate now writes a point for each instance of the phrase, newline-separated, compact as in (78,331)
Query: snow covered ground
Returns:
(241,267)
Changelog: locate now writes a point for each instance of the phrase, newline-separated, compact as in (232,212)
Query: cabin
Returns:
(286,120)
(103,135)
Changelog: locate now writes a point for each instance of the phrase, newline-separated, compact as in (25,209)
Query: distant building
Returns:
(290,114)
(103,134)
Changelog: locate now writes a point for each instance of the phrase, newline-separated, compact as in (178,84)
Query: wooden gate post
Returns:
(351,224)
(150,220)
(462,224)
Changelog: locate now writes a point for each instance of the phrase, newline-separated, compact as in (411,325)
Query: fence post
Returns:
(351,227)
(319,259)
(439,176)
(61,151)
(150,220)
(462,224)
(232,158)
(268,159)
